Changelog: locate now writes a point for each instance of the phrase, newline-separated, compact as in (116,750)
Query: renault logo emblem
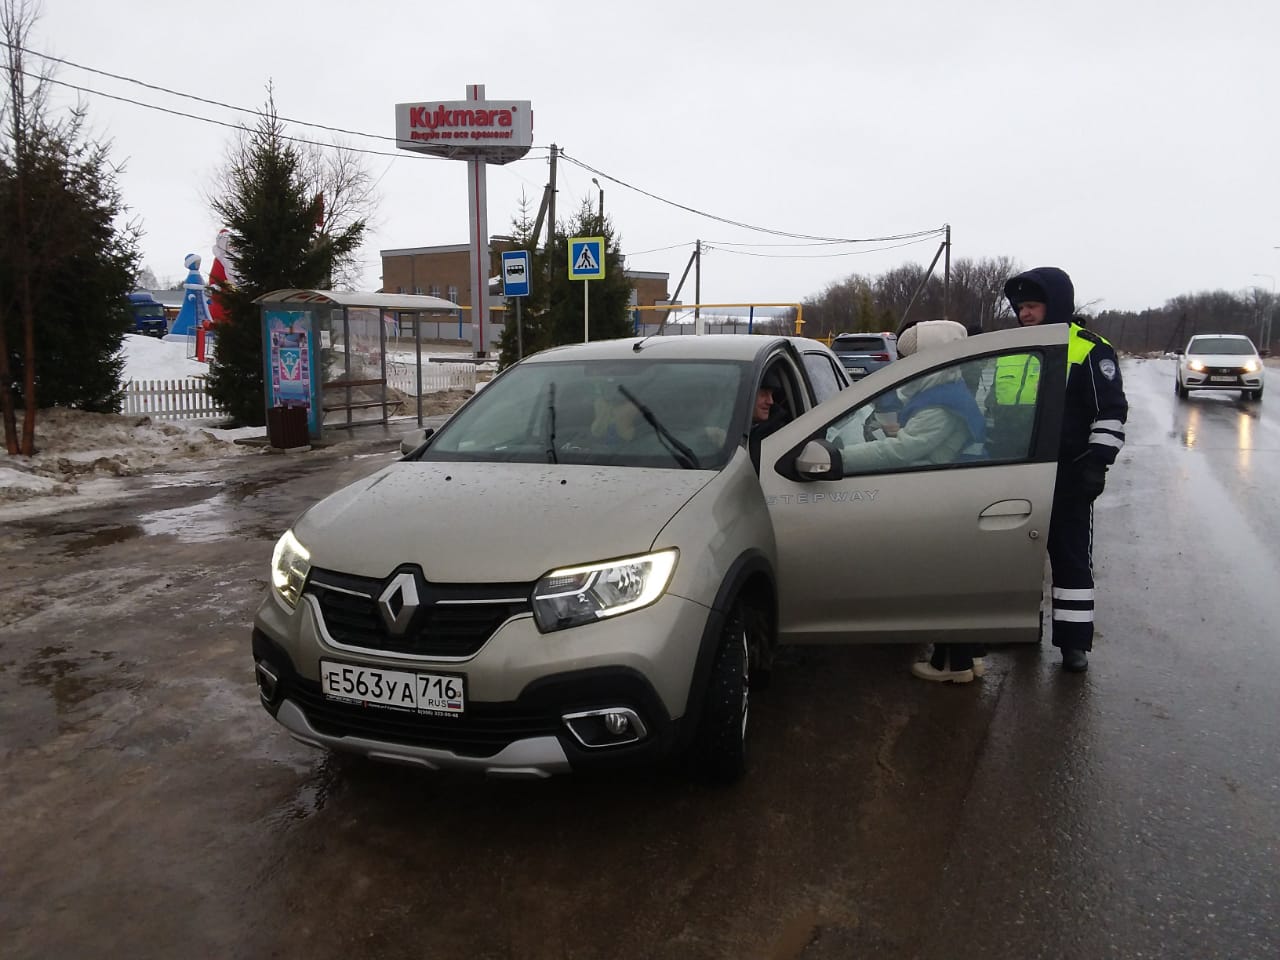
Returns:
(398,603)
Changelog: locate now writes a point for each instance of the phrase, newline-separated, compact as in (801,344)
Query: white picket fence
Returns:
(190,400)
(171,400)
(435,376)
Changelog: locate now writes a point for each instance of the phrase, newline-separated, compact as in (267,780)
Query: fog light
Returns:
(607,727)
(268,682)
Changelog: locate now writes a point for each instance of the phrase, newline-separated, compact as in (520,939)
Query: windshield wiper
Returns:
(551,423)
(682,454)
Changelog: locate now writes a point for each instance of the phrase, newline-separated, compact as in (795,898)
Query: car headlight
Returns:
(575,595)
(290,564)
(1251,366)
(1196,365)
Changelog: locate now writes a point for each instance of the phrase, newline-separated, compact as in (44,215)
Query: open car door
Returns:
(915,505)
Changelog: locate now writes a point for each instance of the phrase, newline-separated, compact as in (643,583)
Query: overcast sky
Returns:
(1135,144)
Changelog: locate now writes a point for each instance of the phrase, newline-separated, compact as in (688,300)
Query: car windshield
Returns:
(1235,346)
(859,345)
(631,413)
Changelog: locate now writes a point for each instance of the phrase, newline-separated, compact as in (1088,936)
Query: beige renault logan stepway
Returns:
(585,567)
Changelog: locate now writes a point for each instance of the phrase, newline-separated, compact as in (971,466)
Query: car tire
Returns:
(1254,394)
(720,747)
(1179,389)
(762,647)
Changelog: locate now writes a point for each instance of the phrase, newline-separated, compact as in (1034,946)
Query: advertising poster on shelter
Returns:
(290,355)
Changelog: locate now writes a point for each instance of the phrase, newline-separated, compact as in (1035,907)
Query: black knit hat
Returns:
(1023,289)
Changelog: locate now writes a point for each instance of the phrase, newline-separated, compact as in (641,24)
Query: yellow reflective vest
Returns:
(1017,378)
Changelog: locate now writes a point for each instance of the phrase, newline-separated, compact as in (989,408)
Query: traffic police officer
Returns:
(1093,418)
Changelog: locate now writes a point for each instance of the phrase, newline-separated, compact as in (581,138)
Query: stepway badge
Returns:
(586,258)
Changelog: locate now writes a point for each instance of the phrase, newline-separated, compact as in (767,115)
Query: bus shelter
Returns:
(335,360)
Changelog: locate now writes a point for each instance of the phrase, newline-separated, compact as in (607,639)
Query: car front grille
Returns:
(452,620)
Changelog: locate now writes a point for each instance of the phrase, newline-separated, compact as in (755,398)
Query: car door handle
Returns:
(1005,515)
(1007,508)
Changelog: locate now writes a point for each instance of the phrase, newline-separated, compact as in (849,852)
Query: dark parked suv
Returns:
(864,353)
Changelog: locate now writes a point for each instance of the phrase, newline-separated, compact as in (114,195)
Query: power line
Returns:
(935,231)
(236,126)
(816,240)
(205,100)
(812,256)
(674,246)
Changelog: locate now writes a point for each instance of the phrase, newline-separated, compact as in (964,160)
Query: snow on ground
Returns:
(81,457)
(146,358)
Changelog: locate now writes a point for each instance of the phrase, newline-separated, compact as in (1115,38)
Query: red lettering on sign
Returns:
(440,117)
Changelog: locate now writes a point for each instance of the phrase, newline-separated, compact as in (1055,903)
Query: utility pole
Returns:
(697,288)
(946,278)
(551,225)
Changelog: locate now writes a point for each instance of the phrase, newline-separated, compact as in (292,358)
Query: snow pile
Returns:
(85,455)
(73,446)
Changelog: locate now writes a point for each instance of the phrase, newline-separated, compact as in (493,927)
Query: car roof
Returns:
(1221,336)
(712,346)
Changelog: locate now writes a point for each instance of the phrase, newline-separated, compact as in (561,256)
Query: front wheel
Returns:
(1179,389)
(720,748)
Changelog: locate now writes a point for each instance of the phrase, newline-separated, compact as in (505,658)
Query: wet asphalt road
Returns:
(150,808)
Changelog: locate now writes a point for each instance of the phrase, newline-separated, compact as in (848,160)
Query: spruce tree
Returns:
(275,215)
(552,313)
(66,268)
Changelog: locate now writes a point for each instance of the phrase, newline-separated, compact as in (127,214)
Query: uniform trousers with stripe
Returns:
(1071,559)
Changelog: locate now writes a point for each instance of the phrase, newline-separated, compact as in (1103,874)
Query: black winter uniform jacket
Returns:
(1095,408)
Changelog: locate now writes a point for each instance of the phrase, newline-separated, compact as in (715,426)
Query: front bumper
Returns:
(534,701)
(1208,380)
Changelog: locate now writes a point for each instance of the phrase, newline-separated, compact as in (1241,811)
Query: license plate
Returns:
(857,369)
(442,694)
(1222,379)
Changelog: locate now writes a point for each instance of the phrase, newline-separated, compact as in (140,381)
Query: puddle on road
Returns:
(311,795)
(101,537)
(202,522)
(57,669)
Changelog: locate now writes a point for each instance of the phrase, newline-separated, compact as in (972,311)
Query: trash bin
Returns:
(287,427)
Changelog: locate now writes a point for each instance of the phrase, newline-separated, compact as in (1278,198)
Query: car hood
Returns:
(489,522)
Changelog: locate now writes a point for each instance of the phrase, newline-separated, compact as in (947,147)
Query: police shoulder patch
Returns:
(1107,368)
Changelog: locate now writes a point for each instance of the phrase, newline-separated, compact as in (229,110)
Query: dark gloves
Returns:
(1091,478)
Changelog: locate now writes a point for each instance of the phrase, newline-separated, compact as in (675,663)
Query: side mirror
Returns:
(1264,352)
(1178,352)
(819,460)
(409,446)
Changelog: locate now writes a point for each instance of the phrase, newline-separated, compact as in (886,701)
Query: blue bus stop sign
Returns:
(515,273)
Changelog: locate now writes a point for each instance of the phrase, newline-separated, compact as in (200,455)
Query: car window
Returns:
(635,413)
(1234,346)
(969,413)
(822,374)
(868,344)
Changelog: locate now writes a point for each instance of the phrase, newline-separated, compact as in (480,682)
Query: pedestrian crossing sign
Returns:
(586,258)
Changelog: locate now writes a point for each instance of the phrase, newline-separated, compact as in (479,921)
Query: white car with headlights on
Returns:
(1220,361)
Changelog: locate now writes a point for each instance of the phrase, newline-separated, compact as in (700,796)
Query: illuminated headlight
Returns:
(577,595)
(290,564)
(1196,365)
(1251,366)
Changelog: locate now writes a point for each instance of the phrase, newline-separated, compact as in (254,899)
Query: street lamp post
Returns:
(601,189)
